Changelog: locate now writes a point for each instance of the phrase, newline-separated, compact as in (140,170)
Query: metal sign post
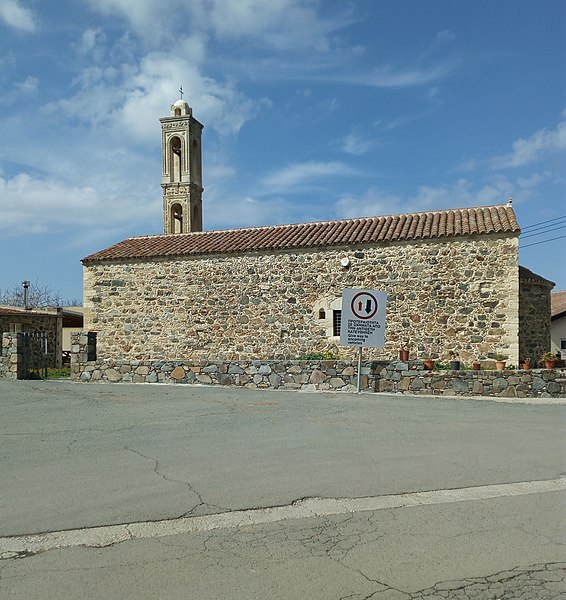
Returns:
(363,321)
(359,369)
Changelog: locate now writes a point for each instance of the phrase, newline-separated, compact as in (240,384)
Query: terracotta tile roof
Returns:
(391,228)
(558,304)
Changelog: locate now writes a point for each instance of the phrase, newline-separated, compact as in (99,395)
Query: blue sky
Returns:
(313,109)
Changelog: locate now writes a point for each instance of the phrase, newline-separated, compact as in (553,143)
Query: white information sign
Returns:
(363,318)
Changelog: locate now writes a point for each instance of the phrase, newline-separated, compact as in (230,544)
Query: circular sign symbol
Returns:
(364,305)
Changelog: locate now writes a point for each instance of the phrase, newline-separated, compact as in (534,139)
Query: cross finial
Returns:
(181,92)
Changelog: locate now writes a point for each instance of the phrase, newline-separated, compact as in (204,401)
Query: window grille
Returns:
(336,322)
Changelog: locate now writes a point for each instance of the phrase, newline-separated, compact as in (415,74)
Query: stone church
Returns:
(451,276)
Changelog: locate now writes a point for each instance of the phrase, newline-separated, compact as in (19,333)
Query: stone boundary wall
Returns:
(9,356)
(380,376)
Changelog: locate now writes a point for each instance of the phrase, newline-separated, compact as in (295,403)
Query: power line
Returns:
(546,230)
(543,222)
(543,241)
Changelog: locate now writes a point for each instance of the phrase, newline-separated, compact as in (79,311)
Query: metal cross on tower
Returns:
(181,92)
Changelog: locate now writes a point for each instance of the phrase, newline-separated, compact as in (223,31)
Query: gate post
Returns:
(10,365)
(83,350)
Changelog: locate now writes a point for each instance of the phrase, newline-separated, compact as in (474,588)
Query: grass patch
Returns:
(59,373)
(319,356)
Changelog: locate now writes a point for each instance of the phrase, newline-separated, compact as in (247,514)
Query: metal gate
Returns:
(34,357)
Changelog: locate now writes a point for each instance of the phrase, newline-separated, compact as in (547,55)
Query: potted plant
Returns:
(454,360)
(476,365)
(500,361)
(549,360)
(428,360)
(404,352)
(526,363)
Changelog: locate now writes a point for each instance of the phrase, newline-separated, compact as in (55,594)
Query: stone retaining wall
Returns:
(407,378)
(337,375)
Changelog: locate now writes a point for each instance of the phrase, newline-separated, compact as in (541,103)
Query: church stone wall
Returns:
(459,295)
(534,312)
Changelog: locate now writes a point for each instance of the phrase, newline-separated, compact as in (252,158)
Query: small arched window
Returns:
(322,314)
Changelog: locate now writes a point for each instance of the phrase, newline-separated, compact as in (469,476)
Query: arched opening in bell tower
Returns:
(195,163)
(176,160)
(176,221)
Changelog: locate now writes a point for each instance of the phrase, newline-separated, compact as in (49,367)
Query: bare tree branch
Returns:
(39,296)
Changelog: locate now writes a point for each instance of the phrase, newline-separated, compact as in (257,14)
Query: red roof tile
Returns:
(414,226)
(558,304)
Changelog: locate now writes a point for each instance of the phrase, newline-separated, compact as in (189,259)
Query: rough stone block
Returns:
(113,375)
(317,376)
(337,382)
(178,373)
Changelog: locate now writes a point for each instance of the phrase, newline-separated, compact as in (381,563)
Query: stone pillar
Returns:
(83,350)
(10,366)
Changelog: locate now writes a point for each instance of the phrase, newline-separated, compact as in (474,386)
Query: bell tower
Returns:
(181,170)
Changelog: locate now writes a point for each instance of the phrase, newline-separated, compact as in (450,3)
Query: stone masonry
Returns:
(9,356)
(317,375)
(459,294)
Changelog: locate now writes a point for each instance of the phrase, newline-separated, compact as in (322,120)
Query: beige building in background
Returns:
(452,278)
(558,322)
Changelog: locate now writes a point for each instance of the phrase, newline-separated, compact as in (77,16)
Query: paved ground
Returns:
(187,492)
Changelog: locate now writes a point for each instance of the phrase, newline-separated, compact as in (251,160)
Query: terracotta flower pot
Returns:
(476,366)
(527,366)
(404,355)
(500,365)
(549,364)
(428,364)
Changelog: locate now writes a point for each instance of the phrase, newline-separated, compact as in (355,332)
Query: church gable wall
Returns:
(459,294)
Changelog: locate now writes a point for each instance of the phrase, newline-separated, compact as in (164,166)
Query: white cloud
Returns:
(526,151)
(130,96)
(147,18)
(391,77)
(283,180)
(29,85)
(221,211)
(356,145)
(460,194)
(17,16)
(373,203)
(279,24)
(445,36)
(23,198)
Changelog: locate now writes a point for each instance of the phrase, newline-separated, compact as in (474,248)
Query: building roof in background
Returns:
(450,223)
(528,275)
(558,304)
(19,311)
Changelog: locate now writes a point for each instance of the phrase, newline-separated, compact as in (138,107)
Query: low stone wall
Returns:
(407,378)
(379,376)
(255,374)
(9,356)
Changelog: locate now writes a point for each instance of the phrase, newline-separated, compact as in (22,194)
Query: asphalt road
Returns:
(153,491)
